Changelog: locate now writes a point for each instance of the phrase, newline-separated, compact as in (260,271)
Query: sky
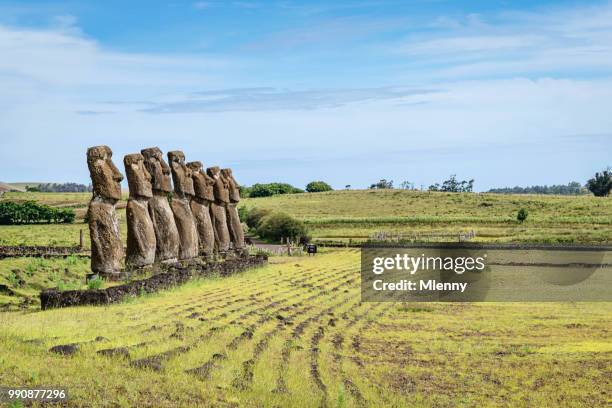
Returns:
(505,92)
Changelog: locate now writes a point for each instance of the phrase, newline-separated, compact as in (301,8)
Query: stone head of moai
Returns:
(234,187)
(202,183)
(220,188)
(139,179)
(181,174)
(158,169)
(105,176)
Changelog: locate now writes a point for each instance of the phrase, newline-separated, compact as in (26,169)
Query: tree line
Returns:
(60,188)
(31,212)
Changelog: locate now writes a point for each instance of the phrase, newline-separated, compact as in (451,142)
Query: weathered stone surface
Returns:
(105,177)
(183,191)
(141,242)
(233,219)
(106,245)
(158,169)
(200,207)
(166,232)
(218,212)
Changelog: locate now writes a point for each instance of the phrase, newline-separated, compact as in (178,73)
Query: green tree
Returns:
(601,184)
(382,184)
(318,187)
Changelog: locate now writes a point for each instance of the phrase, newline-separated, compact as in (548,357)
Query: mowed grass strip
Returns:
(308,331)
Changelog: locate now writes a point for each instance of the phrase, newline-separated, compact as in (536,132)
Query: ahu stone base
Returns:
(176,274)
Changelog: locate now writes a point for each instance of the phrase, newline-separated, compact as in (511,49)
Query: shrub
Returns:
(280,225)
(318,186)
(601,184)
(270,189)
(30,211)
(522,214)
(255,216)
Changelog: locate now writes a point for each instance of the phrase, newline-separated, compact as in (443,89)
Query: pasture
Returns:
(357,214)
(295,333)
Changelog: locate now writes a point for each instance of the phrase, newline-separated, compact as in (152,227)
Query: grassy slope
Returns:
(312,340)
(356,214)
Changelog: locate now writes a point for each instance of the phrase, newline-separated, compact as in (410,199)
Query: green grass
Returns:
(356,214)
(309,341)
(25,277)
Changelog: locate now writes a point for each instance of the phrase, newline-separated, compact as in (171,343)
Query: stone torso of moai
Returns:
(106,245)
(218,211)
(183,192)
(166,233)
(141,241)
(233,219)
(200,207)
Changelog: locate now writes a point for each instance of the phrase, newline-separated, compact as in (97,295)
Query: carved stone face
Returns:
(105,176)
(158,169)
(181,174)
(234,188)
(139,179)
(221,190)
(202,183)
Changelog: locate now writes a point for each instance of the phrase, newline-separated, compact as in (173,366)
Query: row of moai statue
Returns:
(199,217)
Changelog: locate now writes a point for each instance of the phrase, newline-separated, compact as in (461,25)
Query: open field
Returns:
(295,334)
(343,215)
(356,214)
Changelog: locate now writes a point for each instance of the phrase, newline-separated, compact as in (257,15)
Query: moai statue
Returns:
(166,233)
(106,245)
(200,207)
(183,192)
(218,212)
(141,241)
(233,220)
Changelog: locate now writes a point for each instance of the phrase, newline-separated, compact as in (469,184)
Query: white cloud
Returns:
(551,42)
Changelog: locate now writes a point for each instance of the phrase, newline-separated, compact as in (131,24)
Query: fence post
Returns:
(81,238)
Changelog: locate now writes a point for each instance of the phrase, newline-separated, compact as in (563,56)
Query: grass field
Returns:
(295,334)
(356,214)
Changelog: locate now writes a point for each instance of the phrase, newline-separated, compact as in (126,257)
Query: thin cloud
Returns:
(265,99)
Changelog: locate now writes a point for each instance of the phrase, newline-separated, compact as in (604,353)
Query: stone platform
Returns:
(176,274)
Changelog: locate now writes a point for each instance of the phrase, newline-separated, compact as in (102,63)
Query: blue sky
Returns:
(508,93)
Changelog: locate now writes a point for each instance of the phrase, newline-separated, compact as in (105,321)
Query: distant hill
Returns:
(4,187)
(21,186)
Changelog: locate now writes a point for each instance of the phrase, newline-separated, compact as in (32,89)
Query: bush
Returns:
(318,187)
(30,212)
(280,225)
(255,216)
(601,184)
(270,189)
(243,213)
(522,214)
